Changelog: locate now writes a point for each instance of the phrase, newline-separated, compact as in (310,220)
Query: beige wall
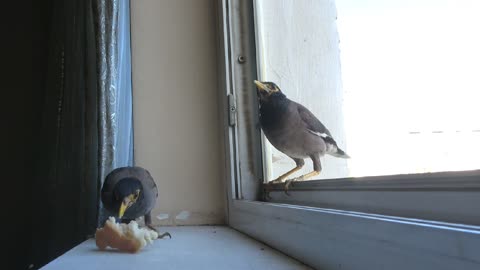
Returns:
(175,108)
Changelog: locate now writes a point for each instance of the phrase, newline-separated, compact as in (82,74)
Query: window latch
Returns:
(232,110)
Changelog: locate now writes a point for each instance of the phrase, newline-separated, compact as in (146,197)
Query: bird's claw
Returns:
(165,234)
(160,236)
(290,182)
(287,186)
(267,188)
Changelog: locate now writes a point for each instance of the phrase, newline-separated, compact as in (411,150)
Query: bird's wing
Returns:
(149,188)
(314,125)
(147,180)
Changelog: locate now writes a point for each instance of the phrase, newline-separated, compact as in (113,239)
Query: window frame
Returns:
(452,197)
(322,232)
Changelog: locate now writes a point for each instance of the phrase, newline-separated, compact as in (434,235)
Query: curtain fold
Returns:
(115,93)
(86,128)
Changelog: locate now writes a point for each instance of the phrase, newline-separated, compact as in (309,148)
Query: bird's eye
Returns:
(137,193)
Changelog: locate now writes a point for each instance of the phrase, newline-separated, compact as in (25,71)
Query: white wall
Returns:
(175,108)
(299,46)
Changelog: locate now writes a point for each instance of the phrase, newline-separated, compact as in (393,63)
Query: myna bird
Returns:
(129,193)
(294,131)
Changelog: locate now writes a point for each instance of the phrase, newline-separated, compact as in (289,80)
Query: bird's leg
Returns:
(317,168)
(148,223)
(282,177)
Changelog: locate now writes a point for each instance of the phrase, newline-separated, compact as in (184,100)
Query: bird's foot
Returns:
(290,182)
(287,186)
(267,187)
(160,236)
(276,181)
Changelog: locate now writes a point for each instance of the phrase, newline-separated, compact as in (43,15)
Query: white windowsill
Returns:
(191,247)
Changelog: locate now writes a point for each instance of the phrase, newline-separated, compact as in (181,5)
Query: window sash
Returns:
(447,196)
(334,239)
(444,196)
(326,236)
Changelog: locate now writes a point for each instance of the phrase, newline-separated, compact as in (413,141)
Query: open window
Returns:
(395,82)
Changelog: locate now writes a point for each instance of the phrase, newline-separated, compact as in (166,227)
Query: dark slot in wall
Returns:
(24,54)
(49,159)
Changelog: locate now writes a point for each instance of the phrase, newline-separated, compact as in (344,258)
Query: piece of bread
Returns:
(127,238)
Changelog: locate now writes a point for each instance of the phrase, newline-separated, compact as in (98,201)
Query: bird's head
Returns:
(267,90)
(126,193)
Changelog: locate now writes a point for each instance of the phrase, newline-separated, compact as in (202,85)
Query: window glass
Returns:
(396,82)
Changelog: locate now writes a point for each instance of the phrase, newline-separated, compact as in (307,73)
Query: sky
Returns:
(411,78)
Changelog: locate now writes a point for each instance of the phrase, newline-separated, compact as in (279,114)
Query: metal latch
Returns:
(232,110)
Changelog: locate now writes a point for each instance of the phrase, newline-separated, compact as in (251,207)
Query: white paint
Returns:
(204,247)
(163,216)
(177,131)
(183,215)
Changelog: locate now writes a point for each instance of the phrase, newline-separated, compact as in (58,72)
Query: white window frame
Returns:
(424,221)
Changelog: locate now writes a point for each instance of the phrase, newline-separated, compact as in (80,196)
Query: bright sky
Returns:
(411,66)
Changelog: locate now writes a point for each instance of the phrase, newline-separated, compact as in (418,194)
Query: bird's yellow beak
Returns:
(261,86)
(127,202)
(123,207)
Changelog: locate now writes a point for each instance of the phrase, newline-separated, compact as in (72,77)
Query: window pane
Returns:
(396,82)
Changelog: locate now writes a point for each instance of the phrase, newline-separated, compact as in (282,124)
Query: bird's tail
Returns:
(339,153)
